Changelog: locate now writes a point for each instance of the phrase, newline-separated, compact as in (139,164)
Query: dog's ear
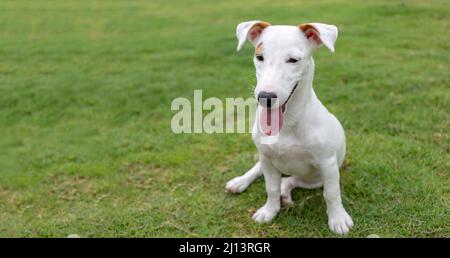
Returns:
(250,30)
(319,33)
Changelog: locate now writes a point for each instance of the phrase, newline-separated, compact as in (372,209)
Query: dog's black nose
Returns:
(266,98)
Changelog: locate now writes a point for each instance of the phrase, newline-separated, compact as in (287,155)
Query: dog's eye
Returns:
(292,60)
(260,58)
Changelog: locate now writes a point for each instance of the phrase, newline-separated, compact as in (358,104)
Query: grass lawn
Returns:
(86,146)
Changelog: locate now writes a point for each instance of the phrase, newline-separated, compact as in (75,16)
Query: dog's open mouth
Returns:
(271,119)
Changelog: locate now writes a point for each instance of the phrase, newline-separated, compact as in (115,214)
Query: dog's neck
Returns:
(303,97)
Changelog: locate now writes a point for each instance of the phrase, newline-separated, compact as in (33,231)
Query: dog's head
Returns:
(281,55)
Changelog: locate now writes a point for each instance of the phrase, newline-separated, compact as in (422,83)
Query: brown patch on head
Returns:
(310,32)
(258,49)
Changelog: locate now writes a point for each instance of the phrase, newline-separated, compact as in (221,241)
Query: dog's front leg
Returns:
(272,178)
(338,219)
(240,183)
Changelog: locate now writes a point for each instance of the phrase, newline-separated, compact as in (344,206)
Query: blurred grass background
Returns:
(86,146)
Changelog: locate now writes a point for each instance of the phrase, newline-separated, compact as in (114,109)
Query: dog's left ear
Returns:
(250,30)
(320,33)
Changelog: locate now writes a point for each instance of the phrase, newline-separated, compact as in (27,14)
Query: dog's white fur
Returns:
(311,144)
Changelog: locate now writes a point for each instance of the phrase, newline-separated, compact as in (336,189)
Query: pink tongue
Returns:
(271,120)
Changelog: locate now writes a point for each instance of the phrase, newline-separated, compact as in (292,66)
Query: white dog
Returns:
(310,141)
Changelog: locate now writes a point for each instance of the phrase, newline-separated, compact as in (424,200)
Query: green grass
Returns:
(86,145)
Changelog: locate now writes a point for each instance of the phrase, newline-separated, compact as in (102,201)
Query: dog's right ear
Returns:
(250,30)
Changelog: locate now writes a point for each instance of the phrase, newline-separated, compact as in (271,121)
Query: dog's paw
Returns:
(286,200)
(265,214)
(237,185)
(340,222)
